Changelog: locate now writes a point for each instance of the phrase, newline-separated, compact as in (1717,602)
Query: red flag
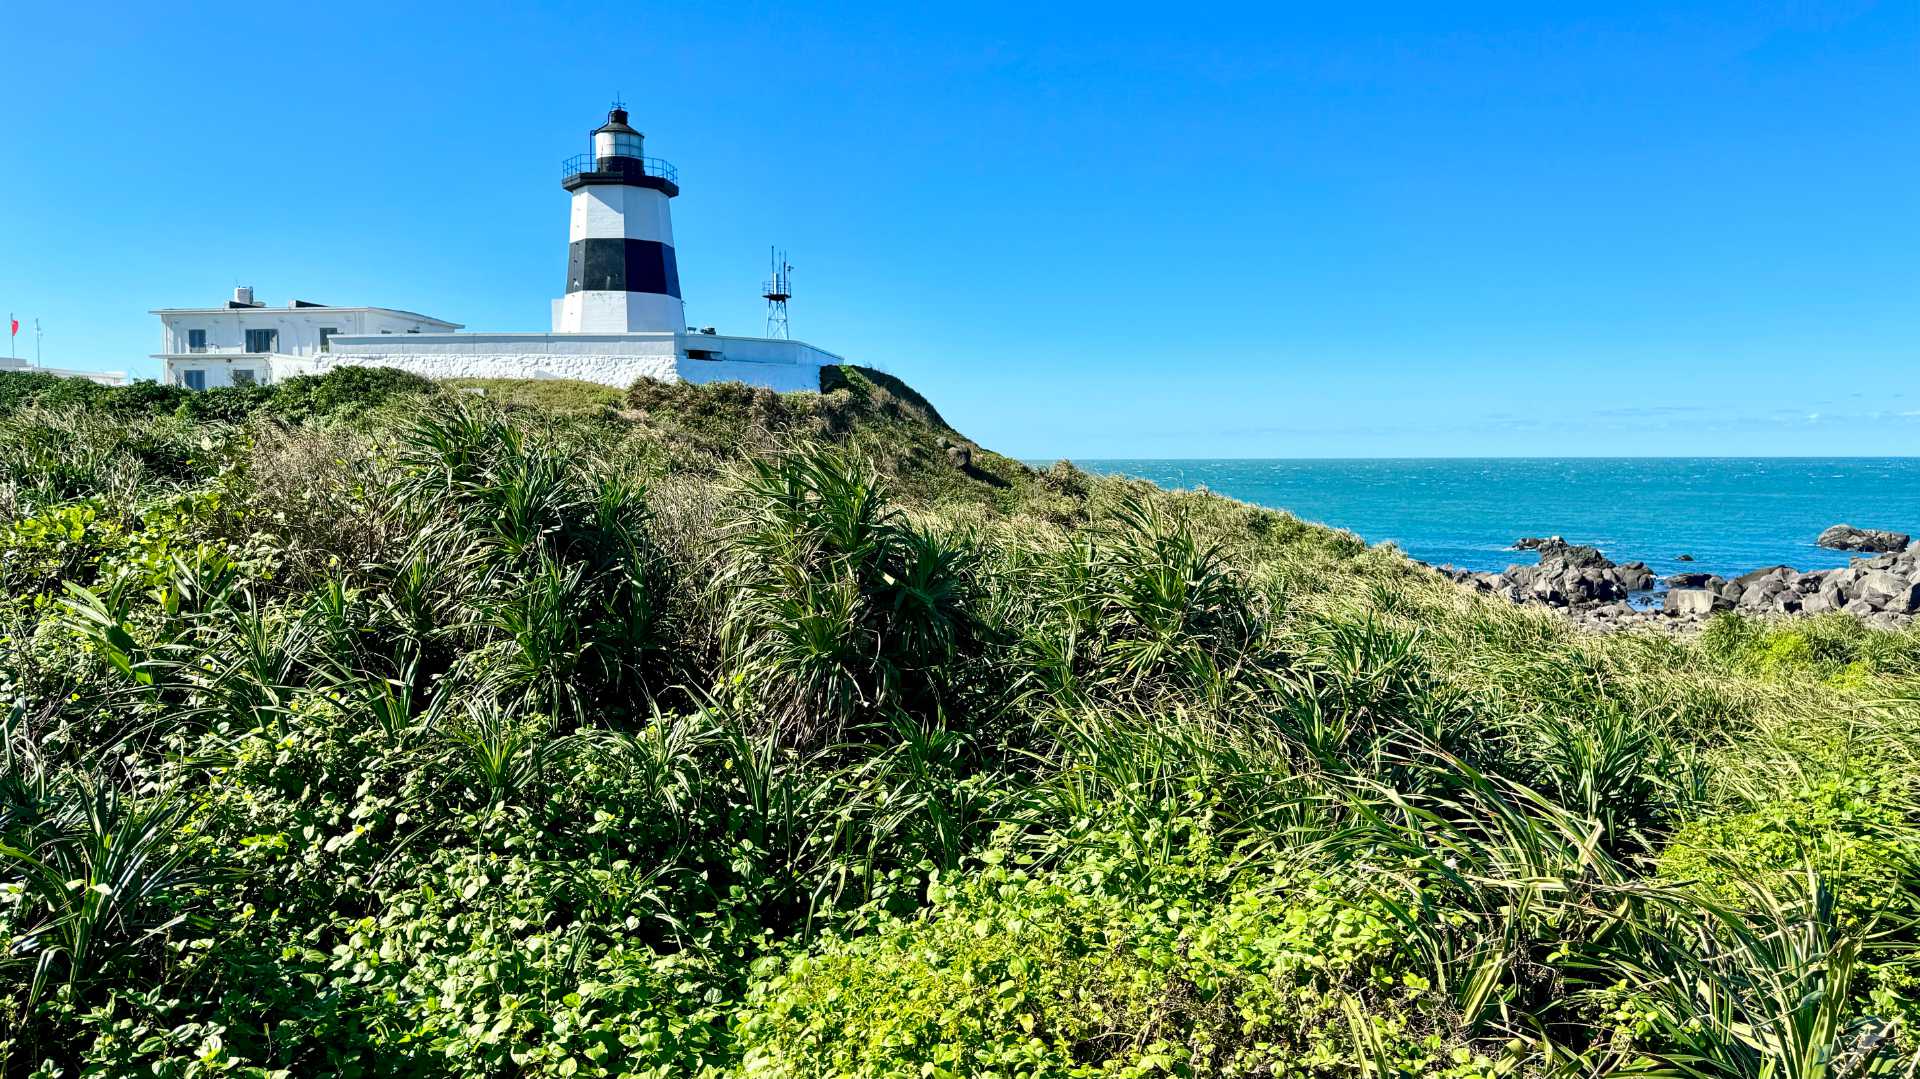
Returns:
(16,325)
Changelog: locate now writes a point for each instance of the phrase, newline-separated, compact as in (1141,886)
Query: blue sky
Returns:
(1084,230)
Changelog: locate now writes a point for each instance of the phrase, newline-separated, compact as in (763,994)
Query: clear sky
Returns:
(1094,230)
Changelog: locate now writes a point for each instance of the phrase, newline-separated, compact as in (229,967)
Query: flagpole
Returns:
(36,342)
(13,331)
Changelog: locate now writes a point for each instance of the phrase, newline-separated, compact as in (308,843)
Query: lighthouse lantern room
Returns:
(621,273)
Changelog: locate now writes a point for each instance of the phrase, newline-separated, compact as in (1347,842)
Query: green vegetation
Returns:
(366,726)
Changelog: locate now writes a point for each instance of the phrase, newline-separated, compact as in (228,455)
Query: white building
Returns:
(104,378)
(246,343)
(621,318)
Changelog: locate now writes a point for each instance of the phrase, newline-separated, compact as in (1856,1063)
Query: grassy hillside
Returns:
(366,725)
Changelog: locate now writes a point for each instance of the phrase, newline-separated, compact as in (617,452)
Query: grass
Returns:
(554,395)
(366,726)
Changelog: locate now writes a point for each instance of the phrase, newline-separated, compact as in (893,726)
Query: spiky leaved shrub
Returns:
(1143,606)
(831,606)
(565,588)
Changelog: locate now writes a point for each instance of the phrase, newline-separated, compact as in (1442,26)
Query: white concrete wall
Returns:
(609,359)
(780,377)
(104,378)
(761,349)
(616,360)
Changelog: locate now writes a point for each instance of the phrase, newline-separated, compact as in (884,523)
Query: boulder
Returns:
(1695,601)
(1599,584)
(1848,538)
(1635,577)
(1683,558)
(1816,604)
(1548,589)
(1534,543)
(1905,603)
(1580,555)
(1746,579)
(1691,580)
(961,456)
(1886,592)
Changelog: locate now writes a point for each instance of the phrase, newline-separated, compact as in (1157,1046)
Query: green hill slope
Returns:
(368,725)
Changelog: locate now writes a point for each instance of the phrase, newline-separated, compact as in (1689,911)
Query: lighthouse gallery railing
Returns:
(650,166)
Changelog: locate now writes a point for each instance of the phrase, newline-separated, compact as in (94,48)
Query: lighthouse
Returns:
(621,274)
(620,319)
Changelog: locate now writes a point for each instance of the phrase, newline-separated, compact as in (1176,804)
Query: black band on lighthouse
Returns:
(616,264)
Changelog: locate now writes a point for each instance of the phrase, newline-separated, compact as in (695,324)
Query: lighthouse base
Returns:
(618,312)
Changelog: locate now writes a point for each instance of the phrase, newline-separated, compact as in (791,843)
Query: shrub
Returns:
(831,605)
(1090,970)
(346,392)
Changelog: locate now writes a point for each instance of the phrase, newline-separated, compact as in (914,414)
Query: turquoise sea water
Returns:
(1731,514)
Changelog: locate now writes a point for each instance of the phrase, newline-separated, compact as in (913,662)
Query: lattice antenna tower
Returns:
(778,290)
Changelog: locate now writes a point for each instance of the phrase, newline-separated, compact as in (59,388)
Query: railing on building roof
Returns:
(646,166)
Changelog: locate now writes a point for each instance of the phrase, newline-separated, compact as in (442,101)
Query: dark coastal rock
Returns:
(1636,577)
(1746,579)
(1683,558)
(1880,590)
(1848,538)
(961,456)
(1568,575)
(1573,554)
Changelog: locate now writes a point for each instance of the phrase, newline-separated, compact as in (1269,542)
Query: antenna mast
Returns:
(778,290)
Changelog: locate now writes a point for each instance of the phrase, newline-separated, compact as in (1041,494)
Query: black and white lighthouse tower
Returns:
(621,275)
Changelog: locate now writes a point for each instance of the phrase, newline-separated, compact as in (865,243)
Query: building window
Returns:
(326,334)
(263,340)
(243,376)
(194,380)
(196,340)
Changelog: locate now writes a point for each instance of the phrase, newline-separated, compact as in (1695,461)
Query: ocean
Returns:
(1732,514)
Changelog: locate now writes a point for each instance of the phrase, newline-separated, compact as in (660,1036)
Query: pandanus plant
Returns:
(93,871)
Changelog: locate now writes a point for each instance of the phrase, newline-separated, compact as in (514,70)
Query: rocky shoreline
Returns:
(1882,590)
